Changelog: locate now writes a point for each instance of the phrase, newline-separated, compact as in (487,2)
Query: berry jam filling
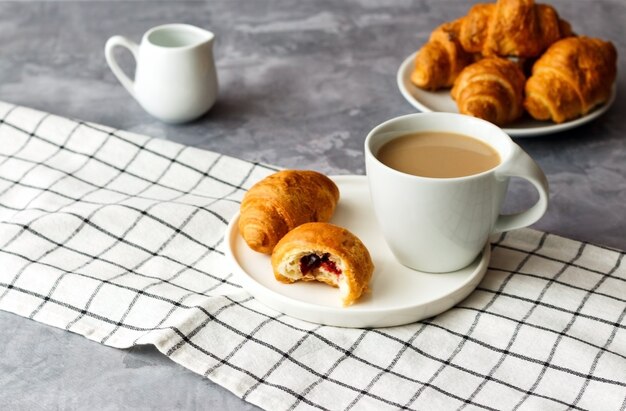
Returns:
(312,261)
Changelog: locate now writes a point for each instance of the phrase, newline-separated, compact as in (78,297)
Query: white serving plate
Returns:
(399,295)
(441,101)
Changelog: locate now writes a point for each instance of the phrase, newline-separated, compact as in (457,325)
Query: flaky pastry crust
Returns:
(572,77)
(441,59)
(491,89)
(352,265)
(521,28)
(283,201)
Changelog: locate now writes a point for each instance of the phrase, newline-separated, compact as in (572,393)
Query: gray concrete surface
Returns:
(301,85)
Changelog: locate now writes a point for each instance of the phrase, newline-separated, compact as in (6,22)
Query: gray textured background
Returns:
(301,84)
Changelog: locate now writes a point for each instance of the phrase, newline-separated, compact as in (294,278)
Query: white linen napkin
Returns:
(119,238)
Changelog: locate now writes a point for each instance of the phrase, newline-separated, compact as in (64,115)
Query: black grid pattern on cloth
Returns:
(119,237)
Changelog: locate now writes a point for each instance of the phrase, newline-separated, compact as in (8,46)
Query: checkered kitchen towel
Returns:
(119,237)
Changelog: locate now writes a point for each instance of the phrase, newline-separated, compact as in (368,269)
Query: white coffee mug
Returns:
(441,224)
(175,78)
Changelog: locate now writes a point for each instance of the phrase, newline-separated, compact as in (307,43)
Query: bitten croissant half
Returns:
(283,201)
(441,59)
(572,77)
(327,253)
(491,89)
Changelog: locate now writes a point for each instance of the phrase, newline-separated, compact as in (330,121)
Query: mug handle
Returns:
(110,58)
(521,165)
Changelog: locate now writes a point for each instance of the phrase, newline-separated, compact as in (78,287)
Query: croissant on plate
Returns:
(491,89)
(473,31)
(572,77)
(517,28)
(327,253)
(441,59)
(283,201)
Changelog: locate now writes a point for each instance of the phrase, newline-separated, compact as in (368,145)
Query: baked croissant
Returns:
(572,77)
(283,201)
(517,28)
(441,59)
(327,253)
(491,89)
(473,31)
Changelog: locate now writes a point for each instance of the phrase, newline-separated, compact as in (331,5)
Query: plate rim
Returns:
(252,286)
(403,74)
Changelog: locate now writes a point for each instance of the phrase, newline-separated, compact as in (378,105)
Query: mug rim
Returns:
(463,117)
(208,36)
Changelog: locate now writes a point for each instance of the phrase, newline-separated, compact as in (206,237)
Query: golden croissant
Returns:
(517,28)
(491,89)
(572,77)
(441,59)
(283,201)
(327,253)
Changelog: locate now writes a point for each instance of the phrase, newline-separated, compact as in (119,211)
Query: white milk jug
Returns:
(175,78)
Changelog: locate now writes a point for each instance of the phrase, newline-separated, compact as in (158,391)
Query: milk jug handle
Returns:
(110,58)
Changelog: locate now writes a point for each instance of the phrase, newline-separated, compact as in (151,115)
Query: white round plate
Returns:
(398,294)
(441,101)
